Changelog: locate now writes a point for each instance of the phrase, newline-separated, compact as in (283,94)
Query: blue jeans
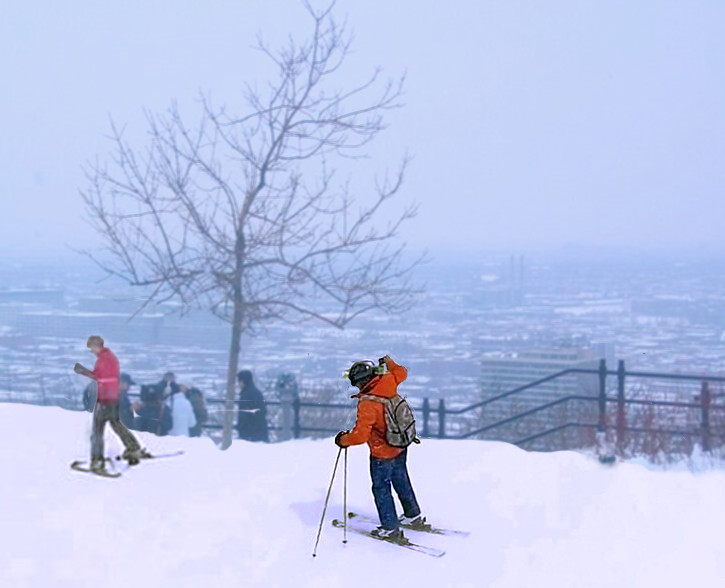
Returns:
(395,471)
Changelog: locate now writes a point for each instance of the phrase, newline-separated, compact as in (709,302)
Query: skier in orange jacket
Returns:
(387,463)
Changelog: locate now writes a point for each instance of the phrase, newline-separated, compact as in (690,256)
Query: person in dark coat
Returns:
(168,384)
(90,394)
(252,416)
(154,416)
(125,412)
(196,397)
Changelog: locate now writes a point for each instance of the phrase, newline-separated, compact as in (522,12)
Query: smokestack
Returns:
(521,279)
(512,281)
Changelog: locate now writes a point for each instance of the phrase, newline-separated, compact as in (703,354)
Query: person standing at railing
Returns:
(252,416)
(387,463)
(125,411)
(196,397)
(168,384)
(182,413)
(106,373)
(90,393)
(154,416)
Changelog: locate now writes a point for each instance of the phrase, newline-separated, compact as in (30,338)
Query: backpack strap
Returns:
(375,399)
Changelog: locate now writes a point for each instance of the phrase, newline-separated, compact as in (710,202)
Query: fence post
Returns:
(426,416)
(602,424)
(296,406)
(604,449)
(621,415)
(705,402)
(288,417)
(441,419)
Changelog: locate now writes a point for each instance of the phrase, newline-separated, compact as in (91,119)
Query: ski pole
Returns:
(314,553)
(344,500)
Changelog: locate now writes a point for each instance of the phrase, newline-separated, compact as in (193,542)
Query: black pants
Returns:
(108,413)
(395,471)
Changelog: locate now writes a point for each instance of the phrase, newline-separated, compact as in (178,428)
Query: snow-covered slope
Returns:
(249,516)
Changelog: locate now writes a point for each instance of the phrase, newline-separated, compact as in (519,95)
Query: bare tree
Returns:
(243,215)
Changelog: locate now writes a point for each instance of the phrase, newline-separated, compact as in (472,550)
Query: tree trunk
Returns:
(234,350)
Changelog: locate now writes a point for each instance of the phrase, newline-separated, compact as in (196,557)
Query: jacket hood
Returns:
(379,386)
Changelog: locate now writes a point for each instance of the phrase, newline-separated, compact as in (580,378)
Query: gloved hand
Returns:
(338,436)
(78,368)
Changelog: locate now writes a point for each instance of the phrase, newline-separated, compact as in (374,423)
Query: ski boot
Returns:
(98,464)
(394,535)
(416,523)
(133,456)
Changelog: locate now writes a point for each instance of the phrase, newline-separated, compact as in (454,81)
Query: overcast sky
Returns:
(533,125)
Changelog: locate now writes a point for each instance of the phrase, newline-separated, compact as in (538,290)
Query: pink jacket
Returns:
(106,372)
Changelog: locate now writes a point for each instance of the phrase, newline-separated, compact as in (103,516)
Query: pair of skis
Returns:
(83,466)
(364,525)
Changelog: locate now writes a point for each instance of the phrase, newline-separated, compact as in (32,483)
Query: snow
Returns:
(249,516)
(88,314)
(604,307)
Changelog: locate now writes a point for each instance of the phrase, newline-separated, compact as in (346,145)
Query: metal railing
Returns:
(294,407)
(602,399)
(296,424)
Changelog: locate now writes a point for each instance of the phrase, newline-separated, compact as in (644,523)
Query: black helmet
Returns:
(361,372)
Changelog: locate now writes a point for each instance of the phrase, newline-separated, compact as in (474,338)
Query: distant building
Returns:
(505,288)
(500,374)
(51,297)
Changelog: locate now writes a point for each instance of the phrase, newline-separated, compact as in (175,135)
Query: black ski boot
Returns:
(133,457)
(98,464)
(417,523)
(392,535)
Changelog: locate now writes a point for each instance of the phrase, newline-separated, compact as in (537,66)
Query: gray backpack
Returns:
(400,429)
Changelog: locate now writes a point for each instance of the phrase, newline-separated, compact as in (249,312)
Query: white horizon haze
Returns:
(532,127)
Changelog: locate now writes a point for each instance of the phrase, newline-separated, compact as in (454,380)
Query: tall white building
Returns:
(500,374)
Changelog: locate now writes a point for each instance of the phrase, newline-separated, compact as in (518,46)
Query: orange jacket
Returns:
(370,426)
